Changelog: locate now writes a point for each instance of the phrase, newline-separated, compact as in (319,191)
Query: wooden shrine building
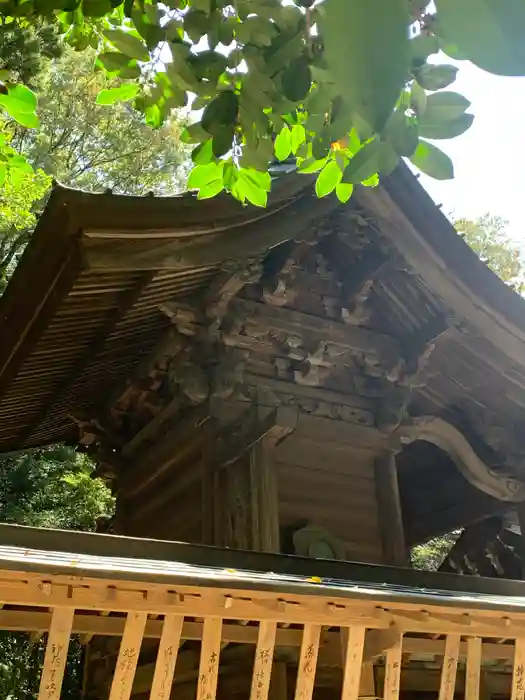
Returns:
(334,382)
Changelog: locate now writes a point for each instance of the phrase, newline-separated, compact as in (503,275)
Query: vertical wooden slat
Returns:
(128,656)
(56,654)
(262,667)
(307,662)
(393,671)
(450,667)
(166,657)
(518,676)
(209,661)
(473,679)
(353,641)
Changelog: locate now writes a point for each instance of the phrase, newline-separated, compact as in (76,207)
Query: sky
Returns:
(489,162)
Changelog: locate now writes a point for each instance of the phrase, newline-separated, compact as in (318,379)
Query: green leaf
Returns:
(367,53)
(194,133)
(222,141)
(401,133)
(196,24)
(123,93)
(250,190)
(211,189)
(128,44)
(31,121)
(202,175)
(96,8)
(418,99)
(388,160)
(298,137)
(422,46)
(327,180)
(115,61)
(487,32)
(296,79)
(364,164)
(432,77)
(311,165)
(257,178)
(432,161)
(446,130)
(203,153)
(444,106)
(19,99)
(3,173)
(283,144)
(221,112)
(344,191)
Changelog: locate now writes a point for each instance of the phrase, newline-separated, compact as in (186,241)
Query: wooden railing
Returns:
(308,627)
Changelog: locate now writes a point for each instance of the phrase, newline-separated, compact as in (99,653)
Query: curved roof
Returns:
(82,308)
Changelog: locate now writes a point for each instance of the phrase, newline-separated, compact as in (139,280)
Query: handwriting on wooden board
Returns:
(450,665)
(518,677)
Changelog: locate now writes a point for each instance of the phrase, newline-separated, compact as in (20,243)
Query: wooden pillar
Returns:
(264,497)
(389,509)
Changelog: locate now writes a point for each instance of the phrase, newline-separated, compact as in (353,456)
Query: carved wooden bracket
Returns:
(450,440)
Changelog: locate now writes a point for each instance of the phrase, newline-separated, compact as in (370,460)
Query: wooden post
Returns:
(264,497)
(389,508)
(56,654)
(450,667)
(262,667)
(166,657)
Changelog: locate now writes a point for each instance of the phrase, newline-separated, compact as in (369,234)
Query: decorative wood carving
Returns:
(448,438)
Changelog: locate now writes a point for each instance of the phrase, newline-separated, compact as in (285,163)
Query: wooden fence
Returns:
(324,626)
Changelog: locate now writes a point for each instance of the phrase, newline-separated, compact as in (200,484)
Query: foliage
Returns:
(430,555)
(49,487)
(25,46)
(487,236)
(88,146)
(344,86)
(81,145)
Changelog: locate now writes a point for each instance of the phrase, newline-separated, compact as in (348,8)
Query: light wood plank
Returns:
(56,654)
(393,671)
(209,661)
(450,667)
(518,676)
(128,656)
(262,667)
(307,662)
(473,677)
(166,657)
(353,641)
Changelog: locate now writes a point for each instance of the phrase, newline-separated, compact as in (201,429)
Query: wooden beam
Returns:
(385,348)
(238,237)
(265,496)
(56,654)
(389,509)
(157,461)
